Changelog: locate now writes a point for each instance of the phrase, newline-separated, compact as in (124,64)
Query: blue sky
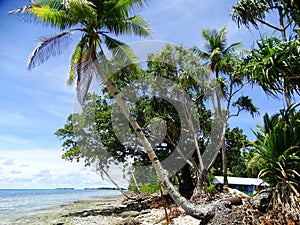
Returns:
(34,105)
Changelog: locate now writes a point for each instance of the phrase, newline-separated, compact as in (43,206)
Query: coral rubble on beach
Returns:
(114,211)
(106,211)
(149,210)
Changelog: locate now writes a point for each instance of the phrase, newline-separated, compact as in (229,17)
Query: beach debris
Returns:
(236,200)
(168,219)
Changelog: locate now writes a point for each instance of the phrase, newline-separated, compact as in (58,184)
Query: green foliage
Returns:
(210,177)
(150,188)
(293,6)
(251,195)
(51,15)
(252,12)
(148,110)
(247,12)
(223,61)
(132,187)
(253,162)
(147,188)
(278,145)
(217,54)
(184,68)
(89,136)
(273,62)
(210,189)
(244,103)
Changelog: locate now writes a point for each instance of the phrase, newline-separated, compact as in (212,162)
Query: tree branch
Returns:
(269,25)
(288,24)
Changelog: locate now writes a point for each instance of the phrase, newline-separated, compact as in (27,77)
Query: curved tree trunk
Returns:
(119,188)
(135,183)
(204,213)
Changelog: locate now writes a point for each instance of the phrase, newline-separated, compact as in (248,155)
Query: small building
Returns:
(246,185)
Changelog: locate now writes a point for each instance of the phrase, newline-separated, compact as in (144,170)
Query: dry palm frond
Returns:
(50,46)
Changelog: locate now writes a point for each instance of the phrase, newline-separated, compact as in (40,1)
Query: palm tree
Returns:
(96,20)
(222,59)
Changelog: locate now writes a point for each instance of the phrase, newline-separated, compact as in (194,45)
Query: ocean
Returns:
(15,203)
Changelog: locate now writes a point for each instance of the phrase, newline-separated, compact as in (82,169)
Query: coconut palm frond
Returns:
(49,13)
(129,4)
(51,46)
(75,60)
(85,74)
(82,11)
(222,38)
(232,47)
(120,51)
(215,39)
(209,43)
(55,4)
(81,69)
(83,87)
(118,9)
(200,53)
(24,14)
(138,26)
(50,16)
(135,25)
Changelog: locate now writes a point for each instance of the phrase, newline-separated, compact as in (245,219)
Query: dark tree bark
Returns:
(187,186)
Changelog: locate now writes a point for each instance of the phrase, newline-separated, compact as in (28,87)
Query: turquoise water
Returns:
(15,203)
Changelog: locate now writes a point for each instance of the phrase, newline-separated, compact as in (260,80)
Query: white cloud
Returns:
(40,168)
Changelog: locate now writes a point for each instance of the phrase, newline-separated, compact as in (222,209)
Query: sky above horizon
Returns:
(34,105)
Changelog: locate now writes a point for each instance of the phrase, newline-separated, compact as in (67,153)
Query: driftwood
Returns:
(236,200)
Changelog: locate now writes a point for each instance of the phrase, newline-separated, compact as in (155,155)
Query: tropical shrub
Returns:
(278,145)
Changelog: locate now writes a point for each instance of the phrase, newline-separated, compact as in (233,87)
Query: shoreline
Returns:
(65,213)
(102,211)
(17,203)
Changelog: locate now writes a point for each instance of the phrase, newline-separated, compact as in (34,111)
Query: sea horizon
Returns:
(66,188)
(15,203)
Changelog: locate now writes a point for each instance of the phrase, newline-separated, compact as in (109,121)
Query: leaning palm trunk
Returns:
(118,187)
(204,213)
